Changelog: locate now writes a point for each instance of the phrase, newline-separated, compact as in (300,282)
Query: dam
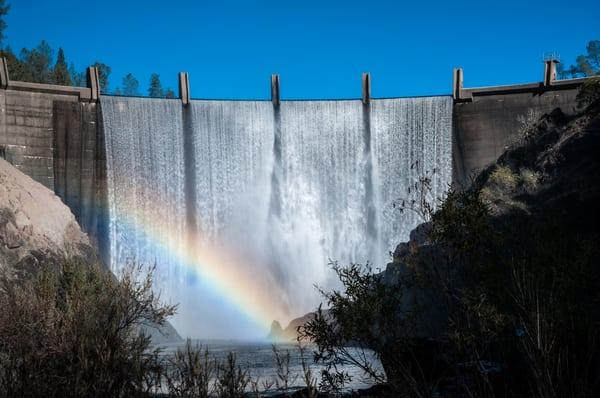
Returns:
(241,205)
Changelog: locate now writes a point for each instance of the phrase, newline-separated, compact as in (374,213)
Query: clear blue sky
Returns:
(319,48)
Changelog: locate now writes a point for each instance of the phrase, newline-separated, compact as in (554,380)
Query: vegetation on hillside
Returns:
(500,297)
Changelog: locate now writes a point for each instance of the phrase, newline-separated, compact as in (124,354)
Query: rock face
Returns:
(276,332)
(290,333)
(35,226)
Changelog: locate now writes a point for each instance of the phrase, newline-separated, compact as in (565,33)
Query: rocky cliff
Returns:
(550,177)
(35,226)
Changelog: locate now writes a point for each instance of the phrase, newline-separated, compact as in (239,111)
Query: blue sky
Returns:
(320,48)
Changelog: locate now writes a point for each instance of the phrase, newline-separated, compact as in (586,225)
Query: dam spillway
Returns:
(242,204)
(56,135)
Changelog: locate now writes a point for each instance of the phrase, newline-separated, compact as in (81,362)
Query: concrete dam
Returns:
(240,205)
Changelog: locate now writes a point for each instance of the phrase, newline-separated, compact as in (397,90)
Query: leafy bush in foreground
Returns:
(74,330)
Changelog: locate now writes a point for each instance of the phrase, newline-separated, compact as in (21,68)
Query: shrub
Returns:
(231,378)
(365,324)
(284,378)
(530,180)
(74,330)
(307,375)
(498,192)
(190,372)
(520,294)
(527,126)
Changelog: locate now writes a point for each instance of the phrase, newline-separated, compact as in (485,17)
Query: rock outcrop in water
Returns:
(290,333)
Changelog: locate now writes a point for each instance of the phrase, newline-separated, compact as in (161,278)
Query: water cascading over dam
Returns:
(242,204)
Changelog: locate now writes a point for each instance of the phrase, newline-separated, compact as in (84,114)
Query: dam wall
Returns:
(488,119)
(55,135)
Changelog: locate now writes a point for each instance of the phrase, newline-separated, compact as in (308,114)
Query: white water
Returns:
(145,184)
(412,138)
(284,190)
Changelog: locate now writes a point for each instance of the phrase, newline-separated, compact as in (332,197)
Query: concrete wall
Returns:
(77,160)
(27,133)
(485,124)
(51,135)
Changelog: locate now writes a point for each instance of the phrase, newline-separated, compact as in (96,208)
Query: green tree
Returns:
(370,313)
(169,93)
(103,75)
(61,73)
(155,89)
(16,69)
(38,62)
(130,85)
(585,65)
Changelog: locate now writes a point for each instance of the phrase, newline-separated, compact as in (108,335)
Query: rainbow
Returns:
(238,283)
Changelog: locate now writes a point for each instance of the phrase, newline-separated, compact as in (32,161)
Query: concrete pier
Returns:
(184,88)
(275,90)
(366,88)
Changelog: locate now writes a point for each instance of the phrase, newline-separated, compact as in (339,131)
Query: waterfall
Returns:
(277,193)
(145,185)
(412,139)
(323,194)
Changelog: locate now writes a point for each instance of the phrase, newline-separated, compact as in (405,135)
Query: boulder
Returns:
(35,225)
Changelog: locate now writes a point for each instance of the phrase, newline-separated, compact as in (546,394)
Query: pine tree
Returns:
(585,65)
(38,62)
(155,89)
(16,69)
(130,85)
(169,93)
(61,73)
